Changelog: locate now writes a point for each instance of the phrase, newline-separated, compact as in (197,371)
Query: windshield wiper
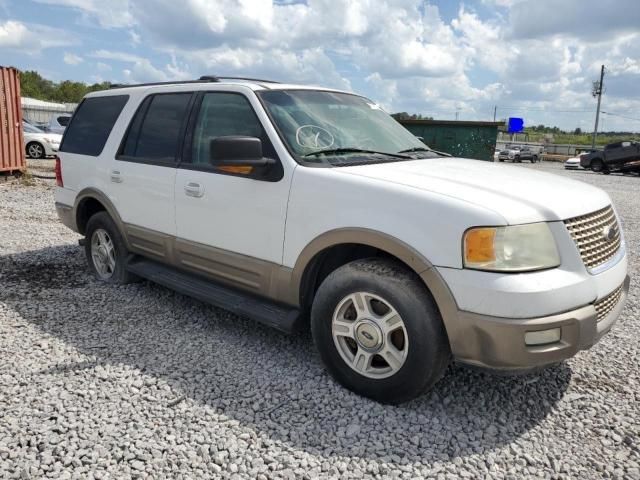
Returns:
(331,151)
(416,149)
(424,149)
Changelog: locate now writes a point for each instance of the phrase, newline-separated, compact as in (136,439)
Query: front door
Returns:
(230,221)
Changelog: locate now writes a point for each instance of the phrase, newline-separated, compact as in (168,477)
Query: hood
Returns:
(520,195)
(53,137)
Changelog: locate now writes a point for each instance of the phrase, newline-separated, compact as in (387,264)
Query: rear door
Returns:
(142,175)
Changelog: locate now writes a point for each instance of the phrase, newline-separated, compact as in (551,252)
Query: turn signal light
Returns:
(242,170)
(478,245)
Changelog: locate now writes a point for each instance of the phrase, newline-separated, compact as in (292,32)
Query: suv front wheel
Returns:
(106,251)
(378,331)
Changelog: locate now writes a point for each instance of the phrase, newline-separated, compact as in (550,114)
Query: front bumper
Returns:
(499,343)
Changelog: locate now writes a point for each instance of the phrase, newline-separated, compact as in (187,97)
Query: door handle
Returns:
(193,189)
(116,177)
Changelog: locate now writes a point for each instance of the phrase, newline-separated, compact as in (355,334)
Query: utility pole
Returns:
(597,92)
(457,112)
(495,109)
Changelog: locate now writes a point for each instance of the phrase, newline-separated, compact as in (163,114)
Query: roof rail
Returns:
(204,78)
(152,84)
(212,78)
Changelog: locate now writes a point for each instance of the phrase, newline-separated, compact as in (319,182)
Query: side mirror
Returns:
(238,154)
(421,139)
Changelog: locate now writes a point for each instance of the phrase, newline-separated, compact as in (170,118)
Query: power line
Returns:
(537,109)
(621,116)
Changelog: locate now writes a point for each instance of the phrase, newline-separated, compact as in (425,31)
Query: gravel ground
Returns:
(99,381)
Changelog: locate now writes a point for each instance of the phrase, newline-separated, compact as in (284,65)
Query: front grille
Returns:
(606,304)
(589,234)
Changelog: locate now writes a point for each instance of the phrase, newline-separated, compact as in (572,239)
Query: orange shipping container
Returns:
(12,156)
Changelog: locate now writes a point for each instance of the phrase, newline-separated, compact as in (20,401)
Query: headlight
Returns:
(517,248)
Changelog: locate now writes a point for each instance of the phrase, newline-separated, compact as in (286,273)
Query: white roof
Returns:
(34,102)
(252,84)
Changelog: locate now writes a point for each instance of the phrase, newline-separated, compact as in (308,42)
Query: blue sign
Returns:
(515,125)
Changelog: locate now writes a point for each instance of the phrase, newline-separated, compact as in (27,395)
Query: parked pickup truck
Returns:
(518,154)
(615,156)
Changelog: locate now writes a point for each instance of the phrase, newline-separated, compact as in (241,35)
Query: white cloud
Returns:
(72,59)
(31,38)
(525,54)
(110,14)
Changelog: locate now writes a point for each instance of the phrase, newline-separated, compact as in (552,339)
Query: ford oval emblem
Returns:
(367,335)
(609,233)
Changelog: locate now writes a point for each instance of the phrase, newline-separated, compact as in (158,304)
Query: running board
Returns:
(272,314)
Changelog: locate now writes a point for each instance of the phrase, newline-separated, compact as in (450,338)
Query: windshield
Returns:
(28,128)
(314,123)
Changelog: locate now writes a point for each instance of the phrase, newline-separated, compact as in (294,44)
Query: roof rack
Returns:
(204,78)
(212,78)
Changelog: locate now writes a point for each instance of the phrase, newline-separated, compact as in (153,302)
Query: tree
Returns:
(577,131)
(408,116)
(33,85)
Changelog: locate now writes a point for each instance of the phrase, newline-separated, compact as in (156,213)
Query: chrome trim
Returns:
(597,252)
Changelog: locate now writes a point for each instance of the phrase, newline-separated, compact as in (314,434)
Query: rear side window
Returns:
(156,130)
(64,121)
(91,125)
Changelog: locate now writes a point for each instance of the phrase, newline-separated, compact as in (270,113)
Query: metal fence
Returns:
(41,115)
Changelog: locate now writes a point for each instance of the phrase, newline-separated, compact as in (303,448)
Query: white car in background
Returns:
(58,123)
(573,163)
(39,144)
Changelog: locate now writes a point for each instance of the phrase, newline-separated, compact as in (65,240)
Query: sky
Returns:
(534,59)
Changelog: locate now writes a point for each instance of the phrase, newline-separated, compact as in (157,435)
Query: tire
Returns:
(35,150)
(517,159)
(417,342)
(597,165)
(100,232)
(534,159)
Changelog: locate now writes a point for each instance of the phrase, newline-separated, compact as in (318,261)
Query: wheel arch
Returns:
(90,201)
(349,244)
(356,243)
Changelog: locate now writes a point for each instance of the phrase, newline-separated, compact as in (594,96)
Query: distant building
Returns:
(39,112)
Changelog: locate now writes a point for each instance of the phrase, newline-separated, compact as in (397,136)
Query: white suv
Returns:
(286,203)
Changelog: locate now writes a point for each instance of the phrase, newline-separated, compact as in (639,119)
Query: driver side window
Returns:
(225,114)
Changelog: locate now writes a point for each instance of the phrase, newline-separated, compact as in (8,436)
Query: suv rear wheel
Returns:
(105,250)
(378,331)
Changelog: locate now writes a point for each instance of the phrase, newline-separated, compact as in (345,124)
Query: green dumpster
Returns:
(459,138)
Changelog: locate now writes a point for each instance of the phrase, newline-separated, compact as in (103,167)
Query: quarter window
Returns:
(91,126)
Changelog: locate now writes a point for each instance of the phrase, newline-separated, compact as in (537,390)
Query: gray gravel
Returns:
(99,381)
